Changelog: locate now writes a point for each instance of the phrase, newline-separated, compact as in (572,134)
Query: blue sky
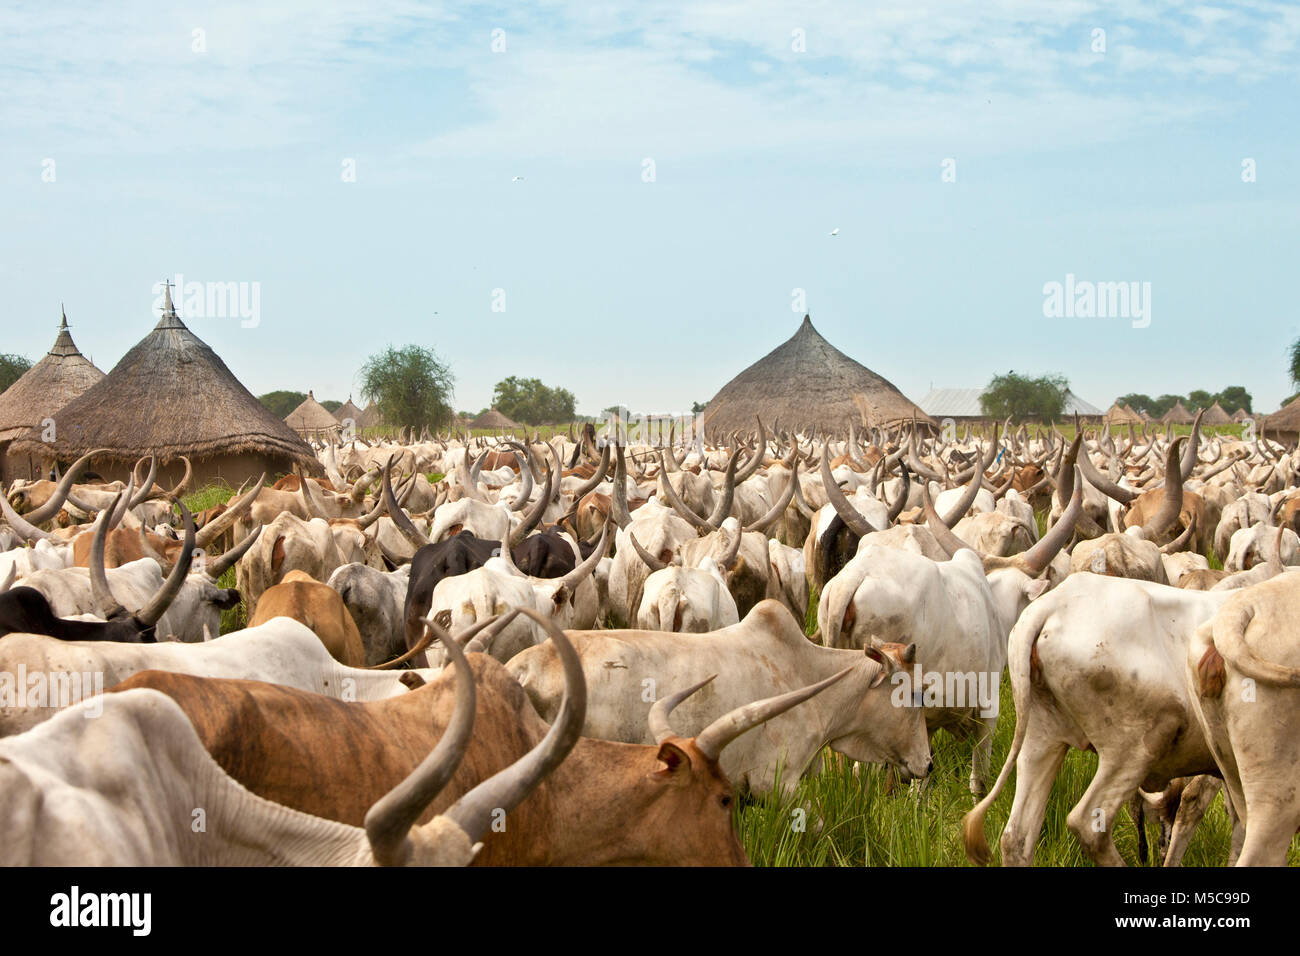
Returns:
(225,164)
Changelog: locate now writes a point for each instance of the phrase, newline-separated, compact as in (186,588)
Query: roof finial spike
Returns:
(168,308)
(63,323)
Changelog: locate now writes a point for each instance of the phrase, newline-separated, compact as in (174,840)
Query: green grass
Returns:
(200,500)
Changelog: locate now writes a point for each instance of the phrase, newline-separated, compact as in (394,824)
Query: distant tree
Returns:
(1234,397)
(697,407)
(12,368)
(282,402)
(528,401)
(1199,398)
(1019,396)
(411,386)
(331,405)
(1136,401)
(1294,368)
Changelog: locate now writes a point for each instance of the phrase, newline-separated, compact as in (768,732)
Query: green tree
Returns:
(411,386)
(282,402)
(1136,401)
(1199,398)
(697,407)
(1294,368)
(12,368)
(331,405)
(527,400)
(1019,396)
(1163,404)
(1234,397)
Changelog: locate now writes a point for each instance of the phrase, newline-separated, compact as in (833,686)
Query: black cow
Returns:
(24,610)
(545,555)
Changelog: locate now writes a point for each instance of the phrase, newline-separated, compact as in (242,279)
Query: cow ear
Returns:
(561,595)
(909,653)
(1036,588)
(677,760)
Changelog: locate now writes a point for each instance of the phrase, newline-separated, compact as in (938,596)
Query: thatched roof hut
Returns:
(370,417)
(1283,425)
(1119,414)
(807,383)
(1178,415)
(1240,415)
(311,419)
(1143,416)
(493,419)
(1215,415)
(171,395)
(44,389)
(348,410)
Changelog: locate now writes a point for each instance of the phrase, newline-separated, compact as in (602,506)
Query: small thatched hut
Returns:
(171,395)
(311,419)
(43,390)
(348,411)
(493,419)
(1215,415)
(1283,425)
(807,383)
(1240,415)
(370,417)
(1119,414)
(1178,415)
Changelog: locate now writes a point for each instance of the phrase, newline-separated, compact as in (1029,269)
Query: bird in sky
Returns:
(517,179)
(835,231)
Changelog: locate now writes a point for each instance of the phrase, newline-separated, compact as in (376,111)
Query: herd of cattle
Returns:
(580,651)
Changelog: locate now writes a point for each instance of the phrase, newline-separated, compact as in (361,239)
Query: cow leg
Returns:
(1092,820)
(1197,797)
(1269,836)
(1238,829)
(1036,768)
(982,756)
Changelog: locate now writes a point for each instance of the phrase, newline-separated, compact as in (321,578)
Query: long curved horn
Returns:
(664,706)
(760,454)
(900,500)
(675,501)
(525,478)
(108,606)
(588,567)
(227,561)
(217,526)
(1107,487)
(1193,445)
(590,484)
(782,503)
(651,561)
(942,533)
(48,510)
(400,518)
(118,511)
(475,642)
(148,550)
(729,726)
(1181,541)
(723,506)
(1171,503)
(150,614)
(534,514)
(388,823)
(733,549)
(473,813)
(184,482)
(146,489)
(854,519)
(8,581)
(1036,559)
(24,528)
(972,489)
(315,509)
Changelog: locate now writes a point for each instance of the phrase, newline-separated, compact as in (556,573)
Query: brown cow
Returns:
(306,600)
(608,803)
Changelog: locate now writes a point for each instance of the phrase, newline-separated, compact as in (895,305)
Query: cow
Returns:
(319,606)
(121,790)
(608,803)
(374,599)
(1241,667)
(764,654)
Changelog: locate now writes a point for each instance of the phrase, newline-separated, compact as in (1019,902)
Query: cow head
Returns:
(879,731)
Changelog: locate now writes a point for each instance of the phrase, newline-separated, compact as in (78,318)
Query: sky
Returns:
(635,201)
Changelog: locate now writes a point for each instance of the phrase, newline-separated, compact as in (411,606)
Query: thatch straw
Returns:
(311,419)
(1121,415)
(1178,415)
(1283,423)
(1215,415)
(45,388)
(370,418)
(348,410)
(493,419)
(807,382)
(171,395)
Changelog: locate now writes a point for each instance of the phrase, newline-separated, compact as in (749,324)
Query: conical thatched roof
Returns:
(1142,416)
(47,386)
(311,418)
(1215,415)
(1119,414)
(1178,415)
(493,419)
(1283,423)
(348,410)
(1240,415)
(807,382)
(171,395)
(370,418)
